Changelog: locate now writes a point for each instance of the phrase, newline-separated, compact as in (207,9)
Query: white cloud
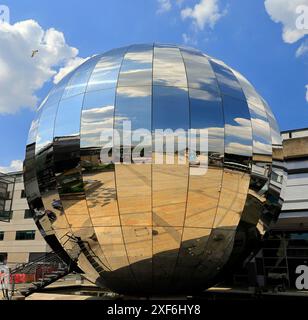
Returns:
(206,12)
(20,74)
(285,12)
(303,49)
(164,6)
(70,66)
(16,165)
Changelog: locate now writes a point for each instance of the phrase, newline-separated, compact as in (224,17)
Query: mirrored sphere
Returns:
(108,193)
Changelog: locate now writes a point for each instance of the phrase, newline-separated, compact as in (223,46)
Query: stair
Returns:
(95,261)
(44,270)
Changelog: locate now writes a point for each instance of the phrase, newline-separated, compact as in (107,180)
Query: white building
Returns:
(20,240)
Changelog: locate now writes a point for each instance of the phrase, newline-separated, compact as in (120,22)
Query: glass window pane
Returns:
(168,67)
(136,67)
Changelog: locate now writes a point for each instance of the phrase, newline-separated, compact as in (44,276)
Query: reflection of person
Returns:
(56,204)
(51,216)
(38,213)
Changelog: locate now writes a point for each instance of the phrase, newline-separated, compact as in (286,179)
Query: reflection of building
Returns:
(20,241)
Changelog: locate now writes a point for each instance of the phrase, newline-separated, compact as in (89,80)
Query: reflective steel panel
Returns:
(200,74)
(207,119)
(136,69)
(168,67)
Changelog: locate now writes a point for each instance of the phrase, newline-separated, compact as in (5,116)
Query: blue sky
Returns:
(241,33)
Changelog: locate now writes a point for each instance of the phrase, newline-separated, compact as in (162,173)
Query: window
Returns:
(6,216)
(1,235)
(25,235)
(3,257)
(33,256)
(23,194)
(28,214)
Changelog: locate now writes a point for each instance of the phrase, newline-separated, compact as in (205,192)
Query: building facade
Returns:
(294,215)
(20,241)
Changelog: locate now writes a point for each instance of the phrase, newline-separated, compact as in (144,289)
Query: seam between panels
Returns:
(188,173)
(252,148)
(152,164)
(115,176)
(39,111)
(98,57)
(53,158)
(219,93)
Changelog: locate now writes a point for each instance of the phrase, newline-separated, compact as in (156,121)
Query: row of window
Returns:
(8,215)
(21,235)
(32,256)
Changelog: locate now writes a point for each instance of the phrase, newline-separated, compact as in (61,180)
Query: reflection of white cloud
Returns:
(261,129)
(168,67)
(284,12)
(15,165)
(262,148)
(139,57)
(242,130)
(134,92)
(238,149)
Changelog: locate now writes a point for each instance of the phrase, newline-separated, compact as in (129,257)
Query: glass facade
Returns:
(100,176)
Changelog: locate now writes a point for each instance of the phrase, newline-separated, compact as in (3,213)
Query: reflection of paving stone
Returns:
(54,296)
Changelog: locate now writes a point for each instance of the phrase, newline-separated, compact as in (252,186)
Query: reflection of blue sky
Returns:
(68,117)
(46,126)
(170,108)
(227,81)
(80,78)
